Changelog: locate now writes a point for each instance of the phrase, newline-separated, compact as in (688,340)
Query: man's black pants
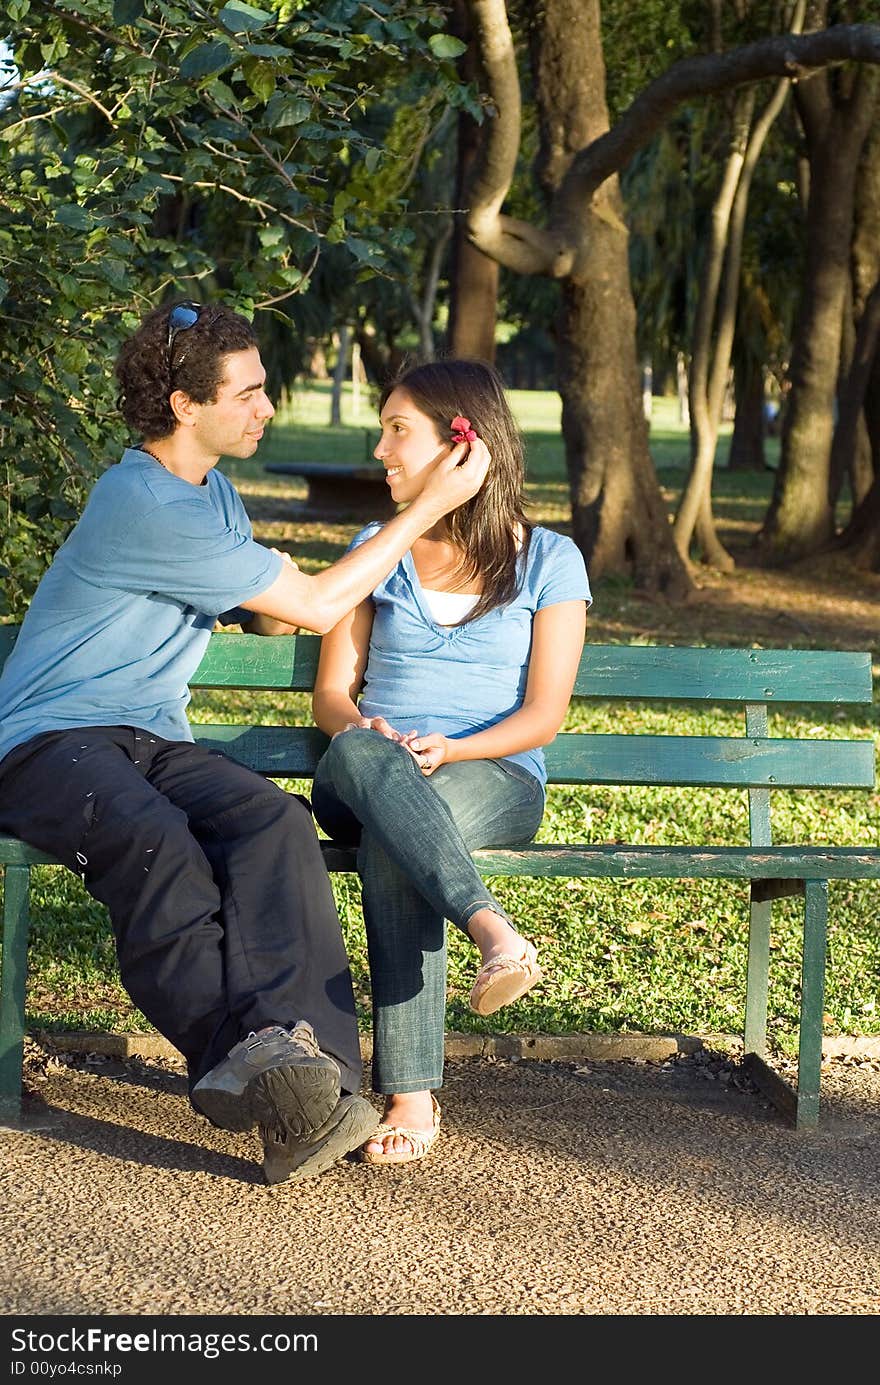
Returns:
(218,895)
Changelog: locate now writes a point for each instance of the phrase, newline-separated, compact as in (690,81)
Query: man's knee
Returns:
(270,809)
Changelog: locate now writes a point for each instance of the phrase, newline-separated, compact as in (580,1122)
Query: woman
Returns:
(464,659)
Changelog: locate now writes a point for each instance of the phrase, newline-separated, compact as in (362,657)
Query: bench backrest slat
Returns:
(724,675)
(288,663)
(581,758)
(609,670)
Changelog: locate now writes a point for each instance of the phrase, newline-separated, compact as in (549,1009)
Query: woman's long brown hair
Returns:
(486,527)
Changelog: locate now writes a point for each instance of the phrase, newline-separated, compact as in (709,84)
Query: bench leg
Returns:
(812,1002)
(16,925)
(757,978)
(800,1105)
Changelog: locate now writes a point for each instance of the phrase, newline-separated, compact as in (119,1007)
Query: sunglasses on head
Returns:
(181,317)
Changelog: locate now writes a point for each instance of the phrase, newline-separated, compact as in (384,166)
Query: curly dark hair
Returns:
(148,373)
(485,527)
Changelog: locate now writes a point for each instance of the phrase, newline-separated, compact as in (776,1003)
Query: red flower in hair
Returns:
(462,430)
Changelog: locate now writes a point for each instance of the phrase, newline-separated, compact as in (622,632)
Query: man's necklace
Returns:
(141,448)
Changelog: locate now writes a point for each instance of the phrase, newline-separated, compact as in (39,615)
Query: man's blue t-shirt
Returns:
(121,620)
(464,678)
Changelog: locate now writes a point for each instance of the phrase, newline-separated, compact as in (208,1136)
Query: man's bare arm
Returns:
(318,602)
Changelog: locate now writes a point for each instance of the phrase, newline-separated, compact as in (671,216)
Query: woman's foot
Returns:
(510,965)
(492,934)
(409,1128)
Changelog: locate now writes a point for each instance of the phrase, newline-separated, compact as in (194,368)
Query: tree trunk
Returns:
(861,538)
(339,373)
(473,277)
(681,389)
(423,307)
(694,514)
(747,443)
(872,412)
(853,453)
(800,520)
(619,517)
(851,447)
(710,367)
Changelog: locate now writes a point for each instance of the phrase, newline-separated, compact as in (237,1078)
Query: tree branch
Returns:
(783,55)
(517,244)
(52,76)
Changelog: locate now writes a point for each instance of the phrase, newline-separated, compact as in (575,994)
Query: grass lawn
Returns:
(656,956)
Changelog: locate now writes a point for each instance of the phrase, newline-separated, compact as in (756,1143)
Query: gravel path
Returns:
(556,1188)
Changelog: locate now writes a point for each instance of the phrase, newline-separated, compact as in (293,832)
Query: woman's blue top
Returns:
(464,678)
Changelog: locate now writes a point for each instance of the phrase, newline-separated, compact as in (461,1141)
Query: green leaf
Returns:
(127,11)
(205,60)
(222,93)
(341,202)
(269,50)
(361,249)
(244,19)
(287,110)
(271,235)
(260,77)
(74,216)
(445,46)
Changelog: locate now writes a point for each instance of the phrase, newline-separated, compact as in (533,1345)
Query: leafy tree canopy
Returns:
(154,148)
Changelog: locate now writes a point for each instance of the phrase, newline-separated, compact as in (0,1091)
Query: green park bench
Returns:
(753,678)
(341,490)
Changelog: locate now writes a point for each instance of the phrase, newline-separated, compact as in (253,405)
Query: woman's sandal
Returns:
(505,978)
(421,1142)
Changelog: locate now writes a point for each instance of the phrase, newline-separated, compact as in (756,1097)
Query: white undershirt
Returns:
(448,608)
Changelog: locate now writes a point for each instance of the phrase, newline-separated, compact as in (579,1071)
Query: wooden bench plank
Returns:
(709,761)
(606,671)
(725,675)
(342,488)
(633,672)
(613,860)
(587,758)
(279,664)
(683,862)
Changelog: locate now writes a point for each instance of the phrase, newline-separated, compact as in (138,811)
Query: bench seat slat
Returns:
(610,670)
(585,758)
(611,861)
(684,862)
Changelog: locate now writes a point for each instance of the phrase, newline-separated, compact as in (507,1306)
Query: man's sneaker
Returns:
(278,1077)
(289,1160)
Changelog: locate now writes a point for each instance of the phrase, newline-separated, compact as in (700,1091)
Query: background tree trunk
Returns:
(749,427)
(339,373)
(423,307)
(473,276)
(619,517)
(694,515)
(711,359)
(836,120)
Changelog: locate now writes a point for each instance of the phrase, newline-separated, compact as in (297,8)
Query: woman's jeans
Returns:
(415,836)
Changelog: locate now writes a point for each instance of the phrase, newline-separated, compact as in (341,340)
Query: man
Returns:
(226,931)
